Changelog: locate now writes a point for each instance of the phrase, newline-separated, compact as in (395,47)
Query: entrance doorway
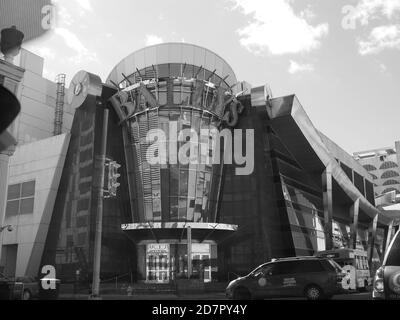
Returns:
(201,262)
(158,265)
(9,260)
(166,262)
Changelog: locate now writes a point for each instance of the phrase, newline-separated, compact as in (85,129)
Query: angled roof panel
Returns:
(300,135)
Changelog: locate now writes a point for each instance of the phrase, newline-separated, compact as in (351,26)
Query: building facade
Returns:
(383,166)
(29,169)
(281,188)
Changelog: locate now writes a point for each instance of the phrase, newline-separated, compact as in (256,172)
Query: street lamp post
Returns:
(111,181)
(99,217)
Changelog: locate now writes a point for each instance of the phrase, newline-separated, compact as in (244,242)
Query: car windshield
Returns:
(337,267)
(393,257)
(257,270)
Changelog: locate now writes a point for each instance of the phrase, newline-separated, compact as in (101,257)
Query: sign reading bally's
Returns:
(32,17)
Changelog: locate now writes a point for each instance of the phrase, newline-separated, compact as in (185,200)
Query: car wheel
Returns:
(26,295)
(313,292)
(241,294)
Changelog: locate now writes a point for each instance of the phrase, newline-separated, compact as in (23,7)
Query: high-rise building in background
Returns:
(383,165)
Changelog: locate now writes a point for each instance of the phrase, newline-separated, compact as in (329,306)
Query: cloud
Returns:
(296,67)
(275,27)
(367,10)
(381,38)
(85,4)
(73,42)
(382,67)
(69,12)
(44,52)
(152,39)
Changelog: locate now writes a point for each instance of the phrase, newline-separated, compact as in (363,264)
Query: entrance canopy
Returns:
(178,230)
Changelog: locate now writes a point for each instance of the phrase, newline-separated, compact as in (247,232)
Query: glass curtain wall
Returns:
(173,191)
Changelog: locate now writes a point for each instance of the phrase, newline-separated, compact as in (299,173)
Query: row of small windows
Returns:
(390,189)
(384,166)
(369,167)
(386,175)
(390,174)
(388,165)
(390,182)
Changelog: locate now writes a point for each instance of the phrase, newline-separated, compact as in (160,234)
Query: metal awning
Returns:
(177,230)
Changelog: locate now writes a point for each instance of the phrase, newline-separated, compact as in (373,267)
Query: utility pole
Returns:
(101,160)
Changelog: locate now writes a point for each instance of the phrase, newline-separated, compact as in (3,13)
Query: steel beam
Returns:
(354,210)
(389,233)
(328,206)
(371,239)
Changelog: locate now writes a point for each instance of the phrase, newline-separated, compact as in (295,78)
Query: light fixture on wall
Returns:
(9,228)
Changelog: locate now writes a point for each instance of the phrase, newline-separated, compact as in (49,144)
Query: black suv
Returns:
(310,277)
(387,277)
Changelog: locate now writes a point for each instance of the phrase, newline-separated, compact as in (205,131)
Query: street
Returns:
(203,297)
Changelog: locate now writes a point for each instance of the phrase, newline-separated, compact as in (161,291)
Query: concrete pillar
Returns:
(328,206)
(371,239)
(354,210)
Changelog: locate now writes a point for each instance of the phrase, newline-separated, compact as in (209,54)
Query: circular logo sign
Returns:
(78,89)
(262,282)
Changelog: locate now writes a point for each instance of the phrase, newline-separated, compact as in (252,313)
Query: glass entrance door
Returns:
(201,262)
(158,266)
(202,266)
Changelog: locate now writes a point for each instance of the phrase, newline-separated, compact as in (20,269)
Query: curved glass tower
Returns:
(172,101)
(186,99)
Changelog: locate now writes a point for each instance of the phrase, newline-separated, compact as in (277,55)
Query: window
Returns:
(369,167)
(388,165)
(308,266)
(389,174)
(285,268)
(81,239)
(390,182)
(331,265)
(264,270)
(20,199)
(389,190)
(393,257)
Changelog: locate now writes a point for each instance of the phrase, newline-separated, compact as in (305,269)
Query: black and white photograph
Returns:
(200,158)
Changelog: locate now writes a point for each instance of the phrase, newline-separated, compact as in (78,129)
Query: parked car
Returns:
(387,277)
(311,277)
(23,288)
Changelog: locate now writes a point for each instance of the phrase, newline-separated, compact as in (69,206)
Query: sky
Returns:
(340,57)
